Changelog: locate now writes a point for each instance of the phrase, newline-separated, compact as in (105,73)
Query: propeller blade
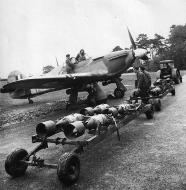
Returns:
(131,40)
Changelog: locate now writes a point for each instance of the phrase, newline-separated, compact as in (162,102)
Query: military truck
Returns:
(167,69)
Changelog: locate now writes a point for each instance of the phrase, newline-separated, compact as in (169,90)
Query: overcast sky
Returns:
(34,32)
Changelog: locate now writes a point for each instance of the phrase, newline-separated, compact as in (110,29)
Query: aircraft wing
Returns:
(57,82)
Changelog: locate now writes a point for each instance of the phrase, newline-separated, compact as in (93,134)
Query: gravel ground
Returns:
(14,111)
(150,155)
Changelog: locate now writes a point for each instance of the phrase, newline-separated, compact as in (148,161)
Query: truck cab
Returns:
(167,70)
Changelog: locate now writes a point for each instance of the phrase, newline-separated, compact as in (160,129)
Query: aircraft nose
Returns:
(141,53)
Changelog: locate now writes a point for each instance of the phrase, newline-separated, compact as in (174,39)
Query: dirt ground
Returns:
(150,155)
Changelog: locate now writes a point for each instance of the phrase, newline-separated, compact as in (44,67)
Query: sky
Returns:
(33,33)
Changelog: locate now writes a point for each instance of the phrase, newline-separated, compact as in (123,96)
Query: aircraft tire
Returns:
(13,166)
(30,101)
(119,93)
(68,168)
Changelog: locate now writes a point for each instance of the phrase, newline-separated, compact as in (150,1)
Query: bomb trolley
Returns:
(68,166)
(160,89)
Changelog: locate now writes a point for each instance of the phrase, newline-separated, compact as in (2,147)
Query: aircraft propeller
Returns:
(138,52)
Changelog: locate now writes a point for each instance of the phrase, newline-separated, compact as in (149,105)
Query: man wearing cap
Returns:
(81,56)
(69,64)
(143,83)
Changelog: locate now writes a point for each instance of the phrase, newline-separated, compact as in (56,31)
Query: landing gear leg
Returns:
(96,95)
(91,98)
(72,98)
(120,90)
(30,101)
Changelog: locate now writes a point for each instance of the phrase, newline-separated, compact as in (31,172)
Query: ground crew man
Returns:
(143,83)
(69,64)
(81,56)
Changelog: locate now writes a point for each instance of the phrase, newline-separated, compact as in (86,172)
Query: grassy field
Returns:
(15,110)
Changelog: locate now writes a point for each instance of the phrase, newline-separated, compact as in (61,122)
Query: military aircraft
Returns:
(85,77)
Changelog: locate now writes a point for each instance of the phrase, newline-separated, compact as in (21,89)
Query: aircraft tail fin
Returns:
(57,62)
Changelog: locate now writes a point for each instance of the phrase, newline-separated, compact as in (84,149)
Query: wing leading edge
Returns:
(57,82)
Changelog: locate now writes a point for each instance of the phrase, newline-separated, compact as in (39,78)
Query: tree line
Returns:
(160,48)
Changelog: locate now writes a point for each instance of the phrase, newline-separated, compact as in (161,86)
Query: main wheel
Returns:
(13,166)
(68,168)
(30,101)
(150,113)
(119,93)
(157,105)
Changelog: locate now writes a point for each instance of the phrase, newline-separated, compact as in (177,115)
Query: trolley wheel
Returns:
(176,80)
(150,113)
(173,92)
(68,168)
(157,105)
(119,93)
(13,166)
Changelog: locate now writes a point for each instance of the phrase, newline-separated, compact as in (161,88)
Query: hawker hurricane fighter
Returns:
(85,77)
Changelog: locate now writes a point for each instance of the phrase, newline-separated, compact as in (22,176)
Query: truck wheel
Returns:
(68,168)
(181,79)
(173,92)
(150,113)
(119,93)
(13,166)
(157,106)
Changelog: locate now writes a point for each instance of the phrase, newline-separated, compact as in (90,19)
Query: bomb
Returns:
(48,128)
(74,130)
(156,91)
(113,111)
(124,108)
(102,108)
(88,111)
(98,120)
